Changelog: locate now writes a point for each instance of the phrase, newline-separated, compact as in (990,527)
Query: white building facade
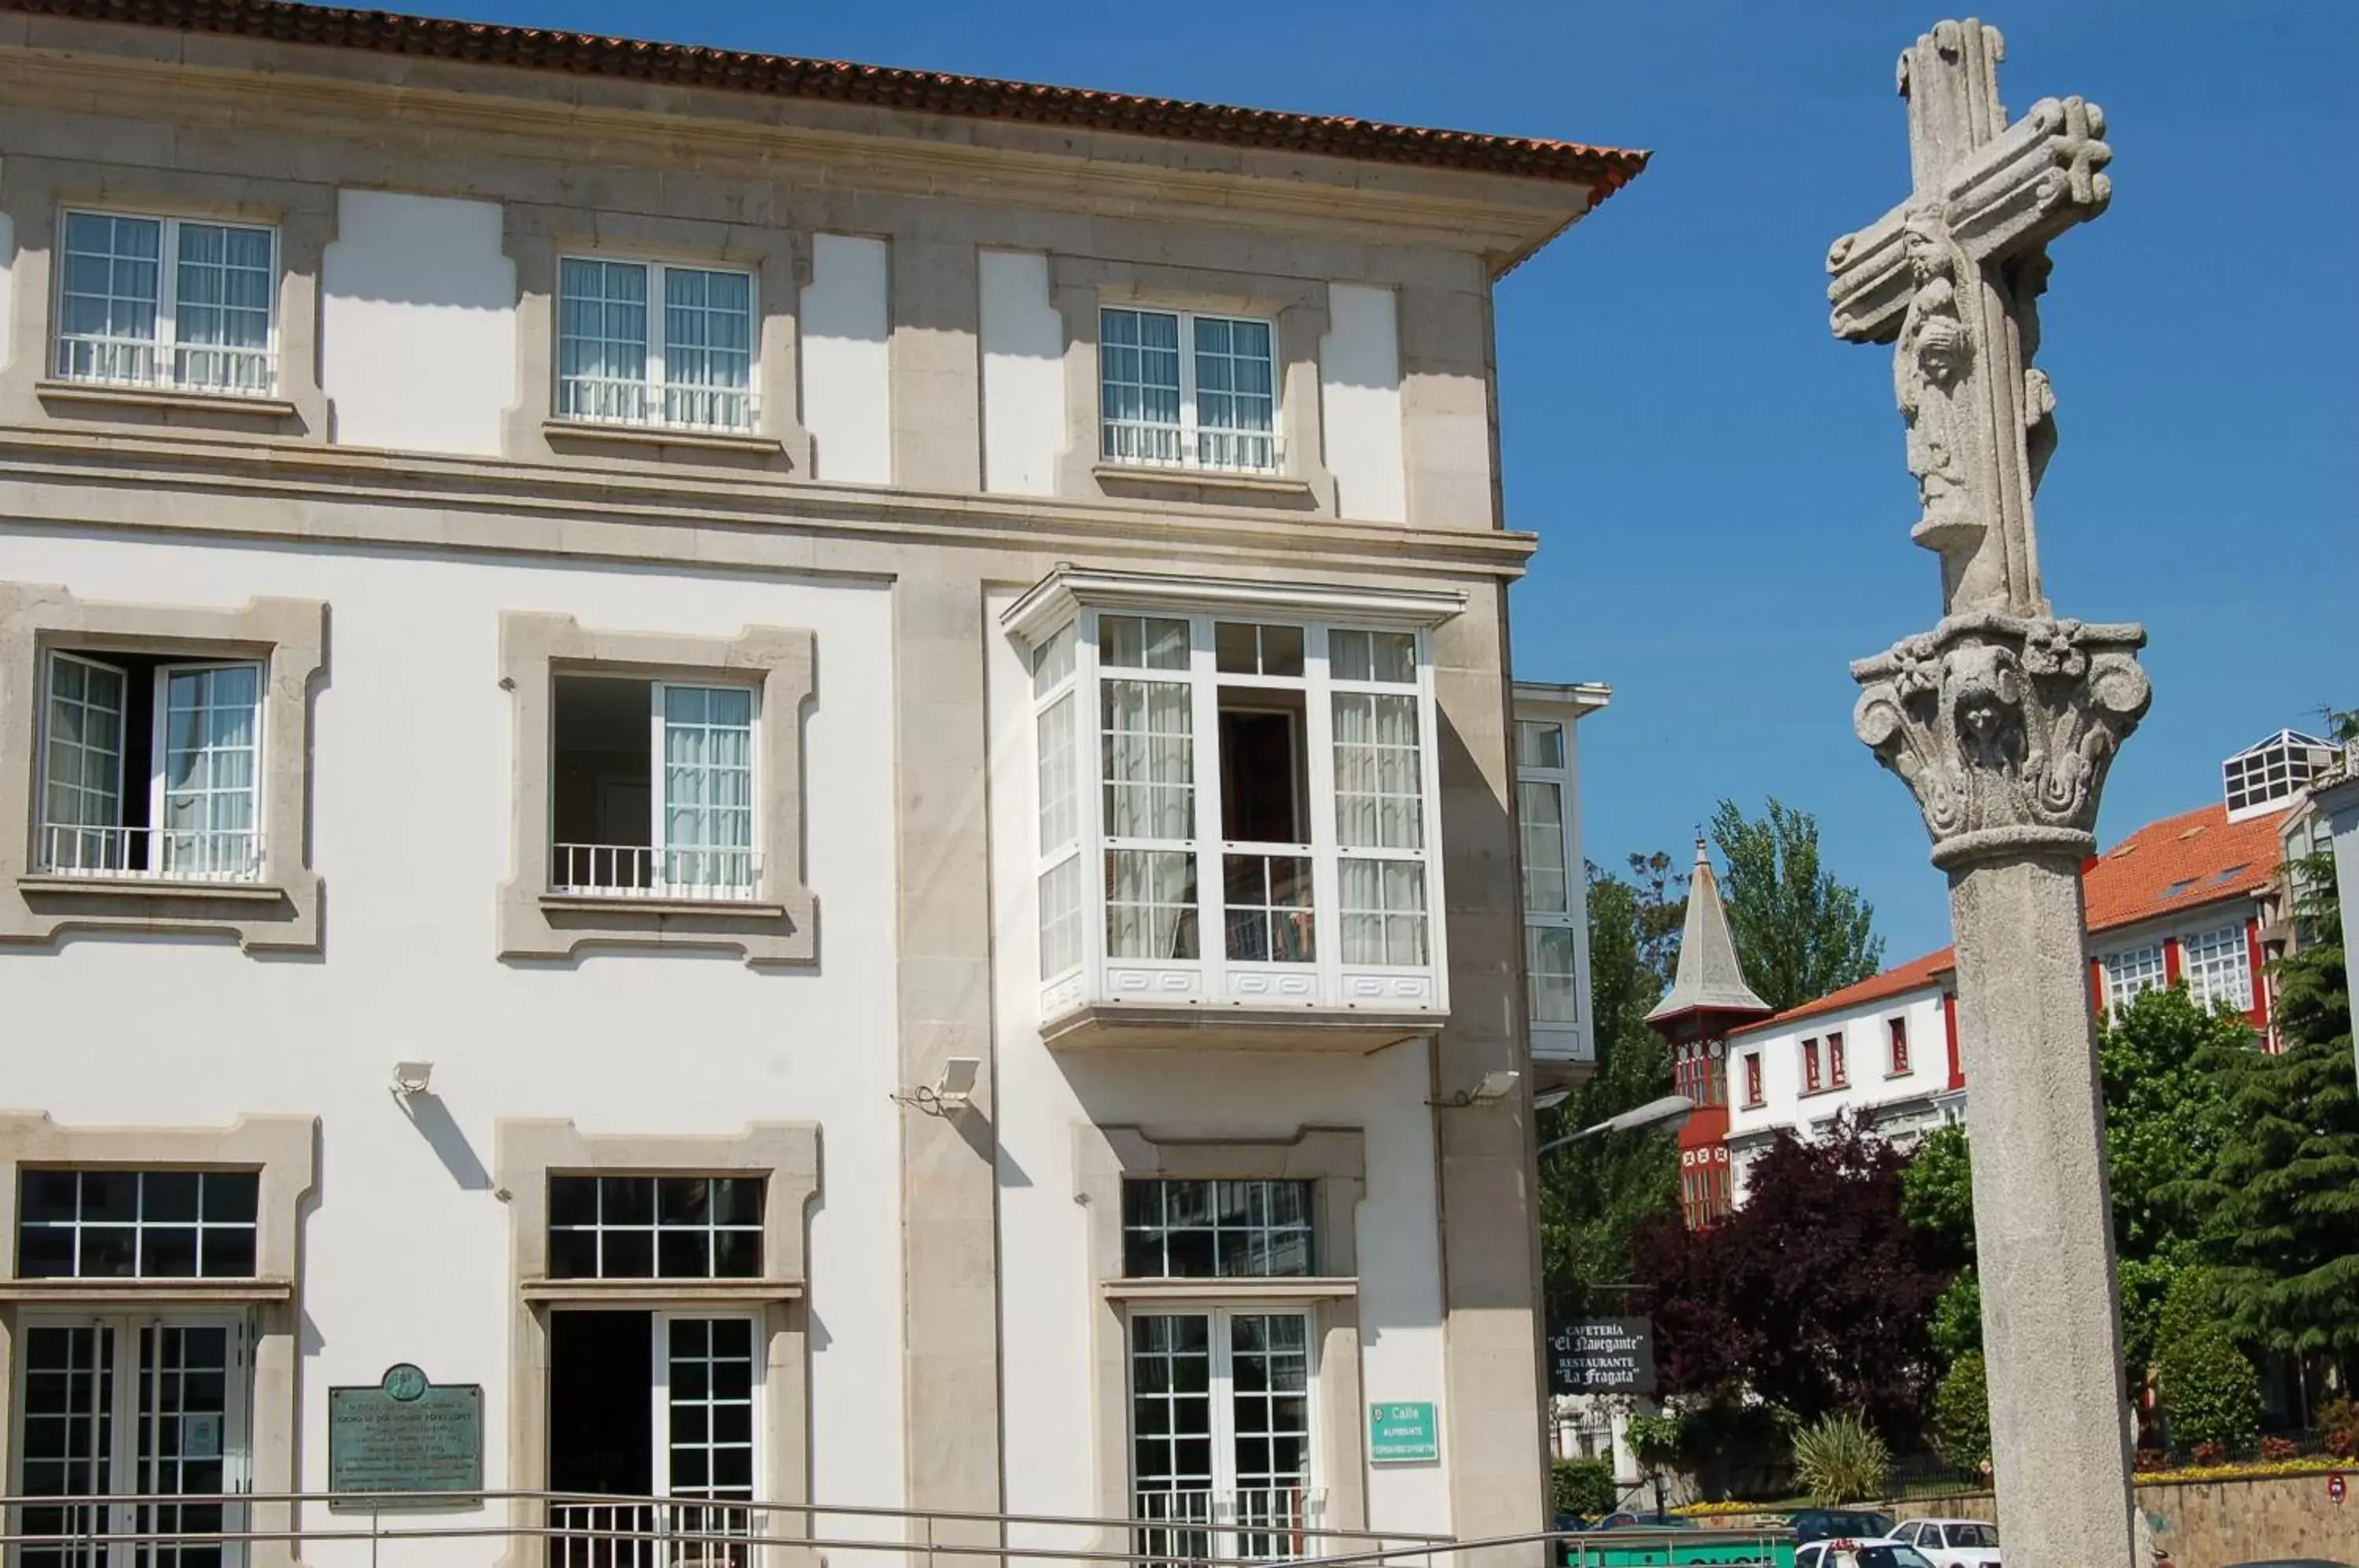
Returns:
(813,787)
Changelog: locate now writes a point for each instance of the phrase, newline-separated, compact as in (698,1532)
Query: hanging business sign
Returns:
(404,1434)
(1403,1433)
(1601,1355)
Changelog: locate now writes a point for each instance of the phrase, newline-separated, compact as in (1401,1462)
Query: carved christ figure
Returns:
(1932,365)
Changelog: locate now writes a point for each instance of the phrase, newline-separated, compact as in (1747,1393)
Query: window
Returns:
(1838,1075)
(1231,812)
(1205,1230)
(617,833)
(1897,1030)
(2218,966)
(655,1228)
(135,1225)
(647,344)
(2127,973)
(151,1406)
(1187,390)
(1811,1084)
(165,302)
(1220,1412)
(1543,788)
(189,734)
(1752,1077)
(652,1404)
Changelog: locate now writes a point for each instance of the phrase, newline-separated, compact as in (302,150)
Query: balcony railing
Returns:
(169,367)
(144,853)
(652,1534)
(641,871)
(1254,1524)
(1143,443)
(614,401)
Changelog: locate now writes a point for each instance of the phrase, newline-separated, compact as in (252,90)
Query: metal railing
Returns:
(147,854)
(1146,443)
(589,1530)
(214,369)
(642,871)
(617,400)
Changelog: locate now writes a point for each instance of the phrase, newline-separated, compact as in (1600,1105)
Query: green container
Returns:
(1675,1548)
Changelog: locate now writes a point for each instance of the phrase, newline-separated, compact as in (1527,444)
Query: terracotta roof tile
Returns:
(2182,862)
(2185,862)
(1602,168)
(1910,976)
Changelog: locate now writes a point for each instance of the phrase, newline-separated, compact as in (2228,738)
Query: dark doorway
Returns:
(601,1390)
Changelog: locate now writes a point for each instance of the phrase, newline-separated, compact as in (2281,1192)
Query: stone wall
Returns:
(2211,1524)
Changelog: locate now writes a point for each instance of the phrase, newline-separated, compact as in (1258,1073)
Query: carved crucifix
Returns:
(1954,277)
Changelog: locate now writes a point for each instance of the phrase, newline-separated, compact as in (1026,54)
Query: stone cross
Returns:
(2003,721)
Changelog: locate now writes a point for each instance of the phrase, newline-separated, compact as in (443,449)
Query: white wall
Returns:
(417,342)
(1867,1056)
(406,1256)
(1023,374)
(1047,1304)
(847,392)
(1360,402)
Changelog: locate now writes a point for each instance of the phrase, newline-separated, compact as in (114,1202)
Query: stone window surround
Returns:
(284,1149)
(1080,286)
(35,193)
(537,236)
(527,1151)
(1335,1160)
(779,925)
(280,912)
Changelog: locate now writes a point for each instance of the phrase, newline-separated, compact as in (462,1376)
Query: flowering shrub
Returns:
(2274,1448)
(2151,1460)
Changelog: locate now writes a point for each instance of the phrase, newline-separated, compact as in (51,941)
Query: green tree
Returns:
(2209,1391)
(1800,933)
(1596,1192)
(1937,1191)
(2281,1201)
(1962,1412)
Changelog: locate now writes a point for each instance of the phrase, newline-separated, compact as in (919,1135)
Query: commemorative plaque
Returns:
(404,1435)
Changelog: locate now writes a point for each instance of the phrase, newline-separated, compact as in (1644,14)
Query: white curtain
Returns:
(1149,759)
(1379,784)
(708,784)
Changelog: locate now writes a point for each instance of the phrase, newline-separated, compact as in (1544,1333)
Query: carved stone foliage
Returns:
(2004,726)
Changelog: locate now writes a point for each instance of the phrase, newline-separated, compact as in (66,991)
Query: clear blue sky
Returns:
(1718,483)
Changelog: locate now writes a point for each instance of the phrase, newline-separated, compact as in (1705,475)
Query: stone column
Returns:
(2004,727)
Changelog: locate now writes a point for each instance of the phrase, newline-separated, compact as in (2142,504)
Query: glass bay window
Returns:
(1252,821)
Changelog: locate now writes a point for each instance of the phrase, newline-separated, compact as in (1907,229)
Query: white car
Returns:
(1953,1543)
(1852,1552)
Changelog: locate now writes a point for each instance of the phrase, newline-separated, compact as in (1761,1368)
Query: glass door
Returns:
(1221,1435)
(133,1408)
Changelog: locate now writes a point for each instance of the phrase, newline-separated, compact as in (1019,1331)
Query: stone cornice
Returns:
(812,145)
(317,494)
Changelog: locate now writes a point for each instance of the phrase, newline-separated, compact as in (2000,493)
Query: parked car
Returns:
(1644,1521)
(1848,1551)
(1825,1524)
(1953,1543)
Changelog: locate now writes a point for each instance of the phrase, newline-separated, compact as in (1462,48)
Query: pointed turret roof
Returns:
(1707,978)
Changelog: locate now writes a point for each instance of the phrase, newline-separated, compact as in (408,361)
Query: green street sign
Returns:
(1403,1433)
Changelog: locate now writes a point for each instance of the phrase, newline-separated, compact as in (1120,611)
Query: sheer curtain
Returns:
(209,771)
(708,348)
(221,310)
(602,339)
(708,787)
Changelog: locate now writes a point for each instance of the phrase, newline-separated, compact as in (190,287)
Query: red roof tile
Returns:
(2182,862)
(1602,168)
(1910,976)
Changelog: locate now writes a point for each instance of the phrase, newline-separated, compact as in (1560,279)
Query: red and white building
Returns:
(2189,899)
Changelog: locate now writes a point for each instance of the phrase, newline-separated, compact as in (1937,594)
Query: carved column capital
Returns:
(2004,726)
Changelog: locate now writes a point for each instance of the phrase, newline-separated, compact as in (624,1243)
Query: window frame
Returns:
(1753,1100)
(1210,975)
(1898,1063)
(660,847)
(654,386)
(2152,976)
(2199,960)
(166,344)
(139,1224)
(537,920)
(1557,775)
(1222,1400)
(710,1229)
(1838,1061)
(1811,1081)
(1188,433)
(116,1547)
